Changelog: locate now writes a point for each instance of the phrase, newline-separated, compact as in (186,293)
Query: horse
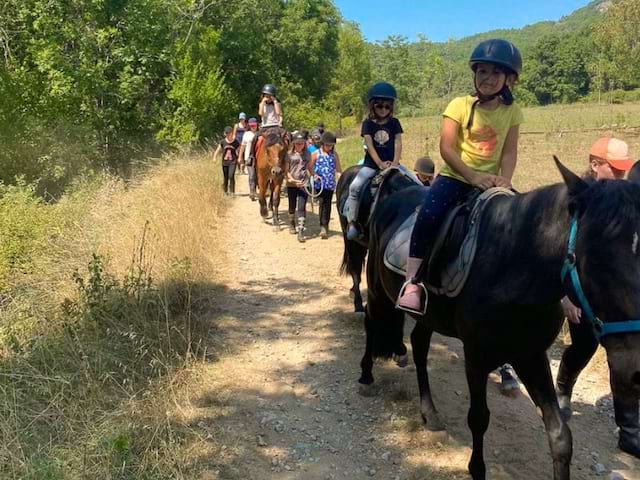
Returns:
(270,172)
(355,252)
(509,308)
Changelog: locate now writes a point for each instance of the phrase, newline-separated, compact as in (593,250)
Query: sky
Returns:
(440,20)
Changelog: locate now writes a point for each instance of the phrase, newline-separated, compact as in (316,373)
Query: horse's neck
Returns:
(528,234)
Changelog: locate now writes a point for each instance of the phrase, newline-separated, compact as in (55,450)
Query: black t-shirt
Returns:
(229,151)
(384,139)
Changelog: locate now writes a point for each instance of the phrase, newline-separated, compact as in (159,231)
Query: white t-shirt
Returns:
(247,138)
(270,117)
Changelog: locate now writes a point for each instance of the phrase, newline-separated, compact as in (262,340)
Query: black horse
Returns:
(355,252)
(509,309)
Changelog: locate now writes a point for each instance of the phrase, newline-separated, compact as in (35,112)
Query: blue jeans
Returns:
(444,194)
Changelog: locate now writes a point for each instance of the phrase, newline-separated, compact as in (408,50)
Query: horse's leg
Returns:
(420,342)
(354,256)
(478,416)
(366,364)
(275,196)
(536,376)
(262,193)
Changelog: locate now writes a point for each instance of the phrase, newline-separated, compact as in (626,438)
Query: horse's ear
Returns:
(634,173)
(574,183)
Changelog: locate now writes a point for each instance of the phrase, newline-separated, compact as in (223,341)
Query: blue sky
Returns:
(440,20)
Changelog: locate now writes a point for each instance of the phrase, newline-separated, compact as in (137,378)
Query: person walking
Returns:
(247,157)
(228,146)
(298,161)
(325,163)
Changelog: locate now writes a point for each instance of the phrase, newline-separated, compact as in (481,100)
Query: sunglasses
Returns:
(383,106)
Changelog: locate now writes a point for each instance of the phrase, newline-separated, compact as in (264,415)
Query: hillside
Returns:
(526,37)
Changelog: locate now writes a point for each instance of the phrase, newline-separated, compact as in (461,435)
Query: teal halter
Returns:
(600,328)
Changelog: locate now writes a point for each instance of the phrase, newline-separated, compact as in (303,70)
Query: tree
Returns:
(352,76)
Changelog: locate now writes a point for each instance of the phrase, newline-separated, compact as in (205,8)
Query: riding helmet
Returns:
(242,116)
(298,137)
(269,89)
(328,138)
(425,166)
(498,52)
(382,90)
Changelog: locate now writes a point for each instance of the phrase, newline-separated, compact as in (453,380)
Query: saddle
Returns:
(452,255)
(271,136)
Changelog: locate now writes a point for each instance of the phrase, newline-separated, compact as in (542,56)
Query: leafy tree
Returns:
(352,76)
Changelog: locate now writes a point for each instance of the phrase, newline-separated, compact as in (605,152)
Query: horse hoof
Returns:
(367,390)
(433,423)
(401,360)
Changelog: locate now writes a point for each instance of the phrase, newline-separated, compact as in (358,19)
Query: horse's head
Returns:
(275,151)
(607,259)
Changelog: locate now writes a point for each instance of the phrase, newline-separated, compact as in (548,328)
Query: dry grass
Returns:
(93,394)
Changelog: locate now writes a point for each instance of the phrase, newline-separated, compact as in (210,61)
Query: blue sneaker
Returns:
(352,232)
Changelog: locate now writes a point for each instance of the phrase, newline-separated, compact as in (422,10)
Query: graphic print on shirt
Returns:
(381,137)
(483,140)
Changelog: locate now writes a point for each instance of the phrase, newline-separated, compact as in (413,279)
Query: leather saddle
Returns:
(452,255)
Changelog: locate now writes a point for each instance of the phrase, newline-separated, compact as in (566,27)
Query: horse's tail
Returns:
(353,258)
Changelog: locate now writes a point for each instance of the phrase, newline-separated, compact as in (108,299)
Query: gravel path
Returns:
(288,351)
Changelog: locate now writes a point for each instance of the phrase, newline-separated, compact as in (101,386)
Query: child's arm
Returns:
(372,152)
(261,107)
(338,165)
(509,157)
(278,110)
(215,154)
(397,152)
(448,137)
(312,163)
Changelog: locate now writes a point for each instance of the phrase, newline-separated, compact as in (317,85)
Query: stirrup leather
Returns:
(423,310)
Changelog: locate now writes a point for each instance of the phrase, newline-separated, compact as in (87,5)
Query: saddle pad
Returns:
(455,274)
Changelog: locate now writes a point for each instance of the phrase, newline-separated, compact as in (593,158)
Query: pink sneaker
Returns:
(411,299)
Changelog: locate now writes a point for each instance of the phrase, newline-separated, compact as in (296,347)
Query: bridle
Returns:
(570,269)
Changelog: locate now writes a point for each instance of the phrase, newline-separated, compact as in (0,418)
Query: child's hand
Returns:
(483,181)
(503,182)
(385,165)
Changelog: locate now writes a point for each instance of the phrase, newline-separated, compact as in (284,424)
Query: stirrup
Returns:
(411,310)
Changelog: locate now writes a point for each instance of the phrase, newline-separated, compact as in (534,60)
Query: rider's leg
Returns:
(575,357)
(628,420)
(353,201)
(443,195)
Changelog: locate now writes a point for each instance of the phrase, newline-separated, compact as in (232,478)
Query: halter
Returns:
(570,268)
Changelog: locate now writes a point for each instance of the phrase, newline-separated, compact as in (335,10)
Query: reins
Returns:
(570,268)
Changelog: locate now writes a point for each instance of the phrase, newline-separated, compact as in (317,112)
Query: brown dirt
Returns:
(285,390)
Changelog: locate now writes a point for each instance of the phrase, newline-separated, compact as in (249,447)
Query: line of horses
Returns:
(509,309)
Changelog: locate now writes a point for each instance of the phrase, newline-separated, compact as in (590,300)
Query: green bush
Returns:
(25,223)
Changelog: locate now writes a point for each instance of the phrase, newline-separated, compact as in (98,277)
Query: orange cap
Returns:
(614,151)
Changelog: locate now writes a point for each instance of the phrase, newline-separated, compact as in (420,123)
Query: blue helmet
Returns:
(498,52)
(382,90)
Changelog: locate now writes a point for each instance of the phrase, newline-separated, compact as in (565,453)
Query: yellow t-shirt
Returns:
(481,147)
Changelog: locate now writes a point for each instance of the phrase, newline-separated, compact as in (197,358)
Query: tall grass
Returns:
(104,321)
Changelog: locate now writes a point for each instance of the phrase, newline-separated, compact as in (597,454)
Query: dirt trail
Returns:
(285,381)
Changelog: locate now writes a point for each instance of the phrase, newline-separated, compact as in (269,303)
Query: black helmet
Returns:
(328,137)
(269,89)
(315,134)
(382,90)
(298,137)
(424,165)
(499,52)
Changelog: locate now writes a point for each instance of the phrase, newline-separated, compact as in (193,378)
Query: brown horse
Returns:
(270,170)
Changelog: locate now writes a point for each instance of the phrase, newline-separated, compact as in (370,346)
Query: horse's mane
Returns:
(610,206)
(272,139)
